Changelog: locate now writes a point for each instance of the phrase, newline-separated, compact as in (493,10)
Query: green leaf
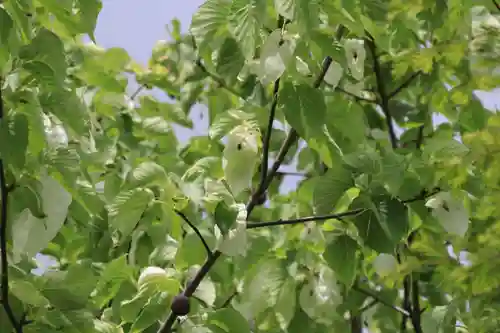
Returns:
(225,217)
(31,234)
(127,208)
(227,320)
(285,307)
(245,23)
(370,229)
(304,108)
(69,108)
(47,48)
(206,292)
(17,10)
(89,12)
(191,251)
(14,133)
(26,292)
(210,20)
(262,286)
(330,188)
(341,255)
(152,310)
(230,60)
(393,217)
(147,173)
(227,121)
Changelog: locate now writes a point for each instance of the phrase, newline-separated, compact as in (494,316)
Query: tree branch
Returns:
(4,194)
(356,97)
(404,85)
(203,271)
(267,138)
(196,230)
(416,312)
(285,147)
(379,300)
(384,99)
(496,4)
(255,225)
(406,300)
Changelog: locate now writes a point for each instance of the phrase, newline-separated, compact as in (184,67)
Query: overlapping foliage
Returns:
(388,205)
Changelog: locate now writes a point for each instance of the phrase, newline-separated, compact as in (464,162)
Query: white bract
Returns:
(450,212)
(235,242)
(385,264)
(334,74)
(355,54)
(274,57)
(240,157)
(320,297)
(151,275)
(54,133)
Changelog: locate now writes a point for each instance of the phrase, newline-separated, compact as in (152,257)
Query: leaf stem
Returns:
(196,230)
(404,85)
(4,194)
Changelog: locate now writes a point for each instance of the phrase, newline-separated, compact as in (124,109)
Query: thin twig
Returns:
(228,300)
(4,194)
(383,97)
(196,230)
(216,78)
(380,300)
(272,113)
(404,85)
(137,91)
(203,271)
(318,218)
(496,4)
(267,138)
(356,97)
(368,306)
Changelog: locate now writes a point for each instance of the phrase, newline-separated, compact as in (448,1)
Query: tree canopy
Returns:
(394,225)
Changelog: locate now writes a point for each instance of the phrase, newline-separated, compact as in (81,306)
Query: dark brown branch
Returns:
(496,4)
(228,300)
(356,97)
(416,312)
(383,97)
(406,300)
(318,218)
(404,85)
(420,137)
(267,138)
(203,271)
(4,194)
(379,299)
(196,230)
